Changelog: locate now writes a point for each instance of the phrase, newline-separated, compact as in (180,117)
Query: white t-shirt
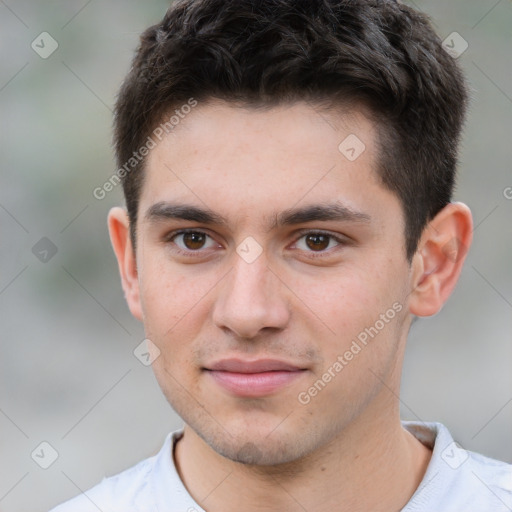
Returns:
(456,480)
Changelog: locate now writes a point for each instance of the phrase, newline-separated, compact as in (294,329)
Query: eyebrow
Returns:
(318,212)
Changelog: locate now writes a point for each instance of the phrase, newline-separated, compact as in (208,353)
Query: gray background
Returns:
(67,370)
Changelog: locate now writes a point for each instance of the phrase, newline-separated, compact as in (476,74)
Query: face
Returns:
(272,277)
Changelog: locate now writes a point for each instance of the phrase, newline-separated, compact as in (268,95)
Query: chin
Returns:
(254,452)
(262,445)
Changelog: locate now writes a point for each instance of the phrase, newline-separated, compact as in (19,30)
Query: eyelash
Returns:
(301,234)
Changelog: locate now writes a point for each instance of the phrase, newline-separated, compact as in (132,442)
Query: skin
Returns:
(345,450)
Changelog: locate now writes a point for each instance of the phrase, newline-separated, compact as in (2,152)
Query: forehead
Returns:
(295,125)
(247,162)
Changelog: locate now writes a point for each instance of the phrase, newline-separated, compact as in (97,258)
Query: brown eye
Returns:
(194,240)
(320,243)
(317,242)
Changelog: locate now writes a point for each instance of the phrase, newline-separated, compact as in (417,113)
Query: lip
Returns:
(256,366)
(253,378)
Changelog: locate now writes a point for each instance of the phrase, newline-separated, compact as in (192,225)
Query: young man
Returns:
(288,168)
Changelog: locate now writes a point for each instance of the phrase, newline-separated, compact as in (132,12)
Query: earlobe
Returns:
(119,230)
(438,261)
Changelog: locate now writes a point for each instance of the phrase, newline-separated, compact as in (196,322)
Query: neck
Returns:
(372,464)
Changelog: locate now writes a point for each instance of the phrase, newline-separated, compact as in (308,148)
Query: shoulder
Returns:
(459,479)
(494,475)
(128,490)
(480,482)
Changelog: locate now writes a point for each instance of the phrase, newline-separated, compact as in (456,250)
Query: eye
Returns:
(192,240)
(315,241)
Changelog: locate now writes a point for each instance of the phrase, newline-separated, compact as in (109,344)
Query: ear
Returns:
(439,258)
(119,229)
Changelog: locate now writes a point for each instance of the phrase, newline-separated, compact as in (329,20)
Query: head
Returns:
(309,148)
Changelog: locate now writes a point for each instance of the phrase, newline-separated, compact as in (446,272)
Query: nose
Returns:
(252,298)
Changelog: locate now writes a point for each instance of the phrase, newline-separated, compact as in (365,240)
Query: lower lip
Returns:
(254,384)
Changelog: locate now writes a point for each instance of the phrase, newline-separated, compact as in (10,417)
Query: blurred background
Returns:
(68,373)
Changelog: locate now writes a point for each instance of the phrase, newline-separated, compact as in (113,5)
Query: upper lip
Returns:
(256,366)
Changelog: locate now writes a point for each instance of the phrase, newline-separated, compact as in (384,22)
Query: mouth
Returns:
(252,379)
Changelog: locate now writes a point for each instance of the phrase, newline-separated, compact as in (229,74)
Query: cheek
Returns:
(339,300)
(174,304)
(348,305)
(363,346)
